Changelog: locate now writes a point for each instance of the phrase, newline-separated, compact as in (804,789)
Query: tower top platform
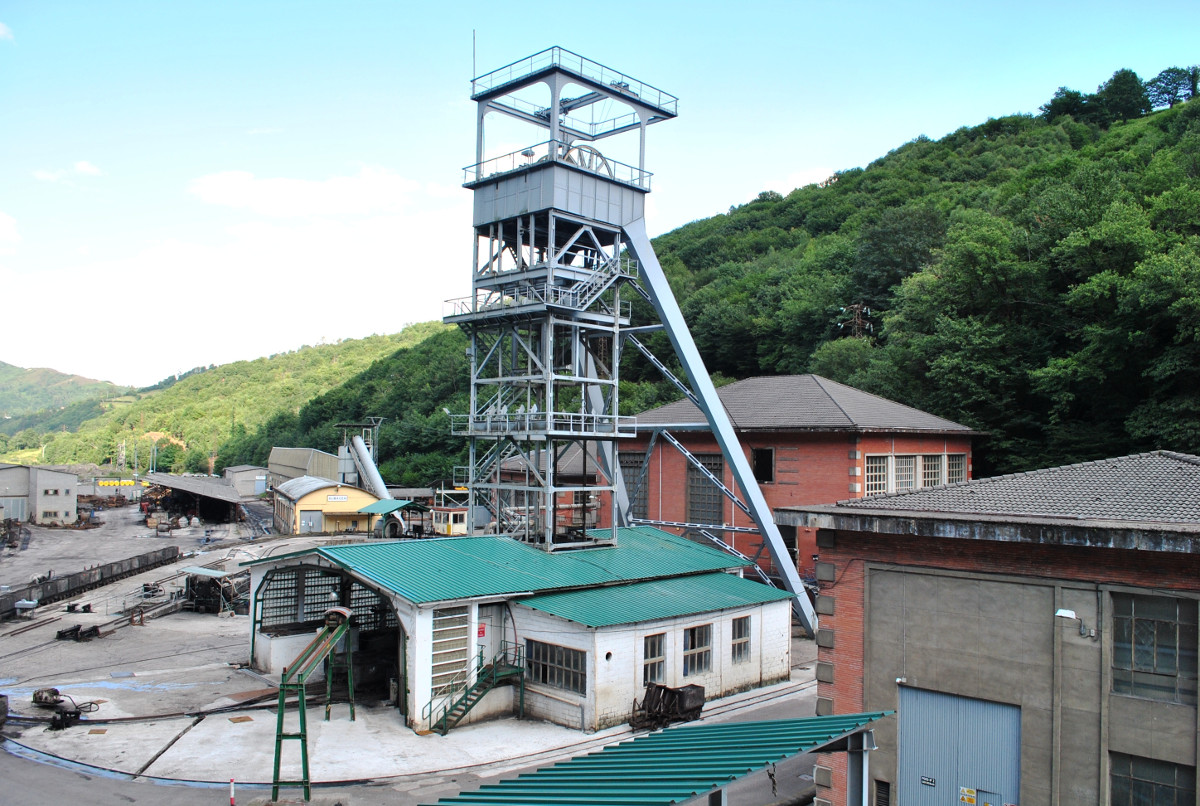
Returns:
(649,103)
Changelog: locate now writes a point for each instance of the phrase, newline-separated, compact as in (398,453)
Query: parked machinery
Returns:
(663,705)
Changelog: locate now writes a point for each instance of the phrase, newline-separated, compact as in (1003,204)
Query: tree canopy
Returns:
(1033,277)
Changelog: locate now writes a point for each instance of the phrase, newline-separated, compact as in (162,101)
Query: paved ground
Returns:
(174,704)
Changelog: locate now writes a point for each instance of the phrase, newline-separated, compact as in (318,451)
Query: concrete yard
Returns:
(175,703)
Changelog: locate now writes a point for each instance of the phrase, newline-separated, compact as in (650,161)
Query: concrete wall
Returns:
(14,481)
(977,619)
(53,495)
(244,480)
(45,491)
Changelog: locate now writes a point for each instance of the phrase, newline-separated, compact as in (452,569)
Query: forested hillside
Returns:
(192,417)
(24,391)
(409,388)
(1035,277)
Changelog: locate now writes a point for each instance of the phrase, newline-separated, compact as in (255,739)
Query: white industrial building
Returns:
(571,637)
(33,494)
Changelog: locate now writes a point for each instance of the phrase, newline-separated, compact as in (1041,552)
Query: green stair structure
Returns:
(456,699)
(320,650)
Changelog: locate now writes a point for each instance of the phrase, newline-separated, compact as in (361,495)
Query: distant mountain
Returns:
(191,418)
(24,391)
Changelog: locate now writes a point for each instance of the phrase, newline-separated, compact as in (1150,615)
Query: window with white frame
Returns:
(654,658)
(956,468)
(739,649)
(697,650)
(895,473)
(877,474)
(931,470)
(451,648)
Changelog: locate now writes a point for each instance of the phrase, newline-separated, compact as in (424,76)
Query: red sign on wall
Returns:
(482,630)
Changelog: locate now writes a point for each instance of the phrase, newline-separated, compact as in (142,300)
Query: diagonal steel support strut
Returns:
(706,394)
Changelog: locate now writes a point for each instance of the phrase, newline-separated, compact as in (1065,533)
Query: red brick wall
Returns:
(810,468)
(1151,569)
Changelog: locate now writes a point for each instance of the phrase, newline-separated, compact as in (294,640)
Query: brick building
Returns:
(810,440)
(1036,633)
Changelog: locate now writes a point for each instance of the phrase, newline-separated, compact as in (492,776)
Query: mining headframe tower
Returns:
(561,253)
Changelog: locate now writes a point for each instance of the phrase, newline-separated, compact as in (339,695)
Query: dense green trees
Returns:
(1032,277)
(201,410)
(408,388)
(1036,278)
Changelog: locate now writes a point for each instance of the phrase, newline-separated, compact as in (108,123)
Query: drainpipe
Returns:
(859,746)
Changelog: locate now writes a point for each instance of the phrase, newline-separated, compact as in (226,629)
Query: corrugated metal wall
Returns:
(15,508)
(948,743)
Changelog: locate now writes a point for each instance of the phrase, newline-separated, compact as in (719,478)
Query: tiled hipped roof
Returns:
(1161,487)
(805,403)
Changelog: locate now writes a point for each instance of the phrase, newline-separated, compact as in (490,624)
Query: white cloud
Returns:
(285,282)
(6,32)
(9,237)
(371,191)
(82,167)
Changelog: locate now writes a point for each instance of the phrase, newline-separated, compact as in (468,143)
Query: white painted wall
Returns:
(615,657)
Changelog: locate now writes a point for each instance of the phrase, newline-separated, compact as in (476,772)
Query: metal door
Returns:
(15,508)
(489,622)
(310,521)
(957,750)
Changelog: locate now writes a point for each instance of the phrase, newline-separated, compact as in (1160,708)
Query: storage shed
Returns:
(309,505)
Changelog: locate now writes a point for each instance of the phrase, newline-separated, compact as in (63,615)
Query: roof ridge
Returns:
(889,401)
(817,379)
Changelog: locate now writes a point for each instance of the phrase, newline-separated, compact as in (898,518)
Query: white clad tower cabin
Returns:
(560,253)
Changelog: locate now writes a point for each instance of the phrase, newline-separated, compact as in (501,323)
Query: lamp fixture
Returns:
(1063,612)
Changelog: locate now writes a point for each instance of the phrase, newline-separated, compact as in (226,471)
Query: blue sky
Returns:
(185,183)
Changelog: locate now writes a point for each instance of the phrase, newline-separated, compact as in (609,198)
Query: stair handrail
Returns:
(462,680)
(510,656)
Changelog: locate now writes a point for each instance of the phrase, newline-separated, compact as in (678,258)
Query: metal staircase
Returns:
(457,697)
(295,677)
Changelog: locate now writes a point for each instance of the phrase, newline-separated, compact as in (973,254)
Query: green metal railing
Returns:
(455,699)
(294,679)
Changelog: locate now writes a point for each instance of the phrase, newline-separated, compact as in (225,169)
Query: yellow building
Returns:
(312,505)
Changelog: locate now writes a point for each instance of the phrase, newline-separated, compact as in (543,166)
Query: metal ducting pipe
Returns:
(366,468)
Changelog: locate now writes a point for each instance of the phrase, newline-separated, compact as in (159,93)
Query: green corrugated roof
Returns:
(658,599)
(386,505)
(460,567)
(669,766)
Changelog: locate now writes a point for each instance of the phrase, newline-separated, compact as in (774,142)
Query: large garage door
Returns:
(15,508)
(958,750)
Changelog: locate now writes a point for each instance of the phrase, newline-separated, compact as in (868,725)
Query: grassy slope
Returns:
(201,411)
